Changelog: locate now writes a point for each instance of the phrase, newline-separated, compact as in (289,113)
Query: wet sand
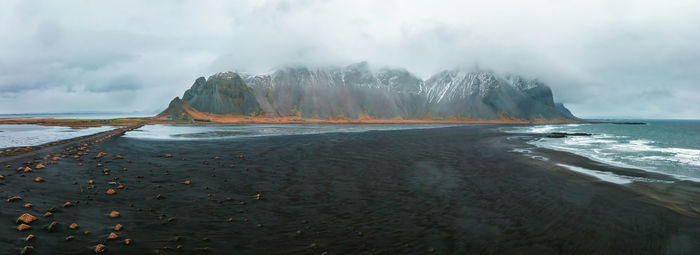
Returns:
(452,190)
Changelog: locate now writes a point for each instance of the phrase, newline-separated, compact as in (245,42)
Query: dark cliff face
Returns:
(176,111)
(564,111)
(356,91)
(485,95)
(352,92)
(223,93)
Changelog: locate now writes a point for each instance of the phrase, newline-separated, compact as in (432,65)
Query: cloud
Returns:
(602,58)
(120,83)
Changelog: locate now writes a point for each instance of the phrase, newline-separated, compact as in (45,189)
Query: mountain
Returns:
(564,111)
(358,92)
(484,95)
(352,92)
(222,93)
(176,111)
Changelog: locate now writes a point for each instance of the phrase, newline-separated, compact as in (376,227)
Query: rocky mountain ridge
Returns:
(357,92)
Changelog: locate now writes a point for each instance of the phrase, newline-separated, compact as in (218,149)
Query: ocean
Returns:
(76,115)
(670,147)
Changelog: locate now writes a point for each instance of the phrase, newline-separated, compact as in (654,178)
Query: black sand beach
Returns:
(456,190)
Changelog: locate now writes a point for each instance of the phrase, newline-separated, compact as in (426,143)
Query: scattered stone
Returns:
(217,158)
(39,179)
(100,155)
(53,226)
(27,250)
(111,192)
(23,227)
(168,155)
(431,249)
(100,248)
(40,166)
(187,182)
(179,246)
(258,196)
(47,214)
(28,205)
(27,169)
(73,226)
(91,181)
(114,214)
(68,238)
(120,186)
(127,241)
(118,227)
(99,164)
(29,237)
(118,157)
(2,177)
(112,236)
(67,204)
(159,196)
(26,218)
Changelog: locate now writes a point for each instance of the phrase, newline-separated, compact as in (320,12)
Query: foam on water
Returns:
(608,176)
(667,147)
(31,135)
(605,176)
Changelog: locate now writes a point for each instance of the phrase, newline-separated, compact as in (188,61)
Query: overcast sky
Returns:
(601,58)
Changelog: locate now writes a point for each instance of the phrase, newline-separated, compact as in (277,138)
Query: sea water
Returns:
(670,147)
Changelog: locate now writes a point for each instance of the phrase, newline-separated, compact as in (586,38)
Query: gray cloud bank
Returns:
(602,58)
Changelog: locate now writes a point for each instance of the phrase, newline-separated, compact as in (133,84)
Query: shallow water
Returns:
(194,132)
(30,135)
(668,147)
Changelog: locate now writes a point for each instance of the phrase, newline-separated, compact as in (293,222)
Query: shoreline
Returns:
(672,192)
(232,119)
(445,190)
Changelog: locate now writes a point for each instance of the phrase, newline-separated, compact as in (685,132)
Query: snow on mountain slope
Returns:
(358,91)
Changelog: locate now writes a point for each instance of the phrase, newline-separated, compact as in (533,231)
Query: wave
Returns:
(625,148)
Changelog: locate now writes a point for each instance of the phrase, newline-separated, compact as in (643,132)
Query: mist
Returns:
(632,59)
